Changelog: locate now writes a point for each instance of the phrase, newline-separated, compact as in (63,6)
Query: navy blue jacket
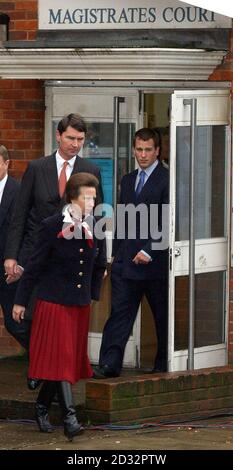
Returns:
(69,271)
(155,191)
(6,207)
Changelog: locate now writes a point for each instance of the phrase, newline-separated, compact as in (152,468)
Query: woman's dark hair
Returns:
(77,181)
(73,120)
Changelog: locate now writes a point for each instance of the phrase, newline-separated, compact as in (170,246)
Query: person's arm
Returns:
(147,248)
(18,270)
(18,221)
(142,258)
(36,265)
(18,313)
(98,269)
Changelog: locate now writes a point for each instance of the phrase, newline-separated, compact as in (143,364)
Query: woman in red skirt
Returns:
(69,264)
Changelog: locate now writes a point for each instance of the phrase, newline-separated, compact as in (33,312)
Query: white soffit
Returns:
(109,64)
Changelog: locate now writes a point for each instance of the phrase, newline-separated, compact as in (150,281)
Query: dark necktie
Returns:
(62,180)
(140,183)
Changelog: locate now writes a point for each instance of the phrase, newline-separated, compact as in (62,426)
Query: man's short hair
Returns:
(145,134)
(72,120)
(4,153)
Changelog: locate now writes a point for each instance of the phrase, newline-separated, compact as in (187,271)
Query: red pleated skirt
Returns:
(58,342)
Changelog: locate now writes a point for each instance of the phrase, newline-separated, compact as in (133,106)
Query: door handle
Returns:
(177,252)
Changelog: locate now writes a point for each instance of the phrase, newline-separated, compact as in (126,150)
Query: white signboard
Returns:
(131,14)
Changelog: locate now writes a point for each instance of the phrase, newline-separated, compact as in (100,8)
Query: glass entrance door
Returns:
(203,135)
(211,215)
(111,115)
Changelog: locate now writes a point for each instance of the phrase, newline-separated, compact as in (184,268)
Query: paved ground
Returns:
(14,436)
(212,434)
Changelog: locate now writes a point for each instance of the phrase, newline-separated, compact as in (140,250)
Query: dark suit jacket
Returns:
(68,270)
(38,198)
(6,207)
(155,191)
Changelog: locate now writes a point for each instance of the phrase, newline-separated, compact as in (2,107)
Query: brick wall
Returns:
(21,115)
(22,120)
(22,131)
(23,19)
(160,397)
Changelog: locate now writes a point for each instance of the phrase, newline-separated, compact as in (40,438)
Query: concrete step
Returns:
(135,397)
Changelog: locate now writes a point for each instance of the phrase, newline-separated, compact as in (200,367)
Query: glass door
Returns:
(111,115)
(199,224)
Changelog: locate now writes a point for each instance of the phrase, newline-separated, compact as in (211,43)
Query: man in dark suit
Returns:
(9,189)
(140,265)
(41,192)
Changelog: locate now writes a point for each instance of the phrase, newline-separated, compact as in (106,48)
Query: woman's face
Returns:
(84,203)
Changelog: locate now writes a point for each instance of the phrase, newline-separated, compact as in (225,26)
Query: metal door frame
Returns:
(219,347)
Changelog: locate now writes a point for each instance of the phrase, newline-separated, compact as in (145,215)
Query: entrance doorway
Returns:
(112,115)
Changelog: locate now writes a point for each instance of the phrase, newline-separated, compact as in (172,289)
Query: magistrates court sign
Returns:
(131,14)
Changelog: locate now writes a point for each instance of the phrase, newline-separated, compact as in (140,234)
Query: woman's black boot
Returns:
(43,403)
(71,425)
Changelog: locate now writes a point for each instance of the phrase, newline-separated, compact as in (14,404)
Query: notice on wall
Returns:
(131,14)
(106,169)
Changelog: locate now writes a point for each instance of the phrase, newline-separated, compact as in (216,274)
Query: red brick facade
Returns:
(23,19)
(22,132)
(22,119)
(21,115)
(160,397)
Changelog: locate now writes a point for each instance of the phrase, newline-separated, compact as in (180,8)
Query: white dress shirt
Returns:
(2,186)
(60,162)
(147,171)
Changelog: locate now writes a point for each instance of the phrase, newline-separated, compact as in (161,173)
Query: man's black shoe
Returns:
(33,384)
(104,372)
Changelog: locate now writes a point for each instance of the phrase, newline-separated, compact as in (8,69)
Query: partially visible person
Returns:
(165,148)
(138,269)
(9,190)
(69,267)
(42,195)
(164,143)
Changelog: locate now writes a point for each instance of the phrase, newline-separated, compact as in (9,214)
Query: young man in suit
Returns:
(138,269)
(9,189)
(41,193)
